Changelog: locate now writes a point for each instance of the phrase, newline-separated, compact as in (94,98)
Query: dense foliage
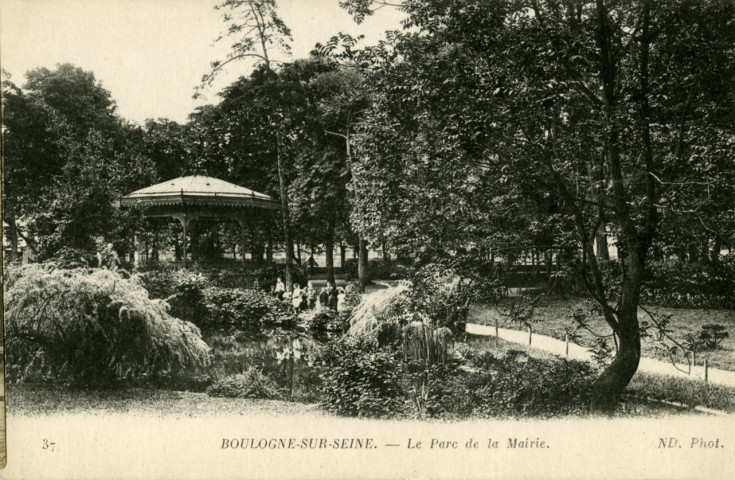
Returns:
(361,380)
(67,158)
(691,284)
(250,384)
(162,280)
(520,385)
(244,309)
(508,125)
(93,327)
(195,297)
(378,269)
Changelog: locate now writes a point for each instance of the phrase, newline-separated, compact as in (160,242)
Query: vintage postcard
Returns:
(370,239)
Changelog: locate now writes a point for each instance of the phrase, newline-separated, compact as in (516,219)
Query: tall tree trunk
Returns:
(342,255)
(285,214)
(256,249)
(716,247)
(601,240)
(269,248)
(156,228)
(617,375)
(633,242)
(362,264)
(330,255)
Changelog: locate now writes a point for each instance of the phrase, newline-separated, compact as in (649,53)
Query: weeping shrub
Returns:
(381,316)
(94,327)
(436,295)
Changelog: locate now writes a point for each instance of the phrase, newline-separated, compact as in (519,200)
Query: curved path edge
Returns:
(578,352)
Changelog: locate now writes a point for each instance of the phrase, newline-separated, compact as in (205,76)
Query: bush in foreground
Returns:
(360,380)
(94,327)
(251,384)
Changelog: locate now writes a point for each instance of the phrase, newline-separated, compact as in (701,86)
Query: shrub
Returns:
(189,302)
(182,289)
(435,296)
(449,392)
(361,380)
(680,284)
(163,281)
(94,327)
(520,385)
(709,337)
(250,384)
(321,320)
(243,309)
(441,295)
(381,316)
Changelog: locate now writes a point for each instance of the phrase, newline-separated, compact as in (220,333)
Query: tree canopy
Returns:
(554,119)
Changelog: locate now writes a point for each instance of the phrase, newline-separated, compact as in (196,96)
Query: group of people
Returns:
(308,298)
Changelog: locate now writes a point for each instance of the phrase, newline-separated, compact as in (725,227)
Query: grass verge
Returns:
(689,392)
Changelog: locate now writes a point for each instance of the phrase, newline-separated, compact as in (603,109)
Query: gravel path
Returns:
(577,352)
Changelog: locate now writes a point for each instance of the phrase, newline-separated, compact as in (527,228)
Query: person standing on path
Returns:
(332,297)
(280,288)
(324,298)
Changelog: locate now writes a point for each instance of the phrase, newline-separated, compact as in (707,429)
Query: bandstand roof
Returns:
(201,191)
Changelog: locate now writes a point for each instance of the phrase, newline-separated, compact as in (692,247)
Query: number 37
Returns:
(48,445)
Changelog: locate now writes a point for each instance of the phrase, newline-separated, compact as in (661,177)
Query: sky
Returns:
(151,54)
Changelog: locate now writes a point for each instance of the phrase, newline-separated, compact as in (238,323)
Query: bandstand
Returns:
(190,198)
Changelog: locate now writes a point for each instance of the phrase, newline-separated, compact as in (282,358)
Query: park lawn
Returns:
(42,399)
(552,319)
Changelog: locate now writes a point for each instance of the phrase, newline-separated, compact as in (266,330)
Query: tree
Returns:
(341,113)
(169,147)
(31,156)
(256,27)
(603,113)
(76,95)
(67,159)
(335,98)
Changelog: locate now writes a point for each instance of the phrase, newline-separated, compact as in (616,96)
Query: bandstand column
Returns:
(242,221)
(185,220)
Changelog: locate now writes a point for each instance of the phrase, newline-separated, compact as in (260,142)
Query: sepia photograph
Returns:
(370,239)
